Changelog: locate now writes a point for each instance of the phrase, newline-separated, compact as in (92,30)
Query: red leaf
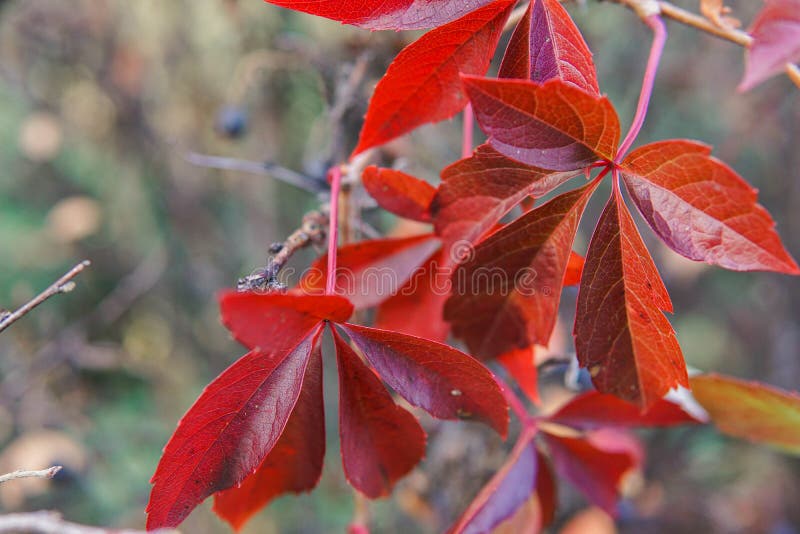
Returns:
(446,383)
(508,490)
(506,295)
(546,490)
(552,125)
(422,84)
(275,321)
(229,430)
(546,44)
(517,57)
(595,410)
(621,334)
(371,427)
(399,193)
(369,272)
(702,209)
(751,410)
(594,464)
(386,14)
(416,309)
(478,191)
(776,42)
(295,462)
(521,364)
(572,276)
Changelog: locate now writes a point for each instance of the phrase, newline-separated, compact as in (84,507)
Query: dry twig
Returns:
(46,522)
(311,232)
(62,285)
(265,168)
(50,472)
(645,8)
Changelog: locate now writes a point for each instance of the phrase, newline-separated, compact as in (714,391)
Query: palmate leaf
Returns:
(476,192)
(422,84)
(592,410)
(371,426)
(243,437)
(295,462)
(506,296)
(546,44)
(776,42)
(751,410)
(507,491)
(621,334)
(369,272)
(399,193)
(435,377)
(702,209)
(230,429)
(595,463)
(417,307)
(388,14)
(552,125)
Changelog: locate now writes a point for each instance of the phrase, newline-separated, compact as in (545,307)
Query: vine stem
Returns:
(656,49)
(515,403)
(469,127)
(333,228)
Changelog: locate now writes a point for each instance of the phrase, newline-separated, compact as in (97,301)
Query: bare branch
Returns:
(266,168)
(50,472)
(645,8)
(701,23)
(311,232)
(45,522)
(62,285)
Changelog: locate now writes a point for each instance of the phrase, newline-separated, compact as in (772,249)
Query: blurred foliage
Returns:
(100,101)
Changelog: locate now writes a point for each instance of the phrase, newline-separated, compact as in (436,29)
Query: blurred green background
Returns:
(101,101)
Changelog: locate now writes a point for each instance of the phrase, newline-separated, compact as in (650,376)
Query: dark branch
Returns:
(62,285)
(311,232)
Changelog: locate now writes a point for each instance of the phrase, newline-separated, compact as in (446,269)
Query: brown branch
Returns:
(265,168)
(311,232)
(50,472)
(45,522)
(645,8)
(703,24)
(62,285)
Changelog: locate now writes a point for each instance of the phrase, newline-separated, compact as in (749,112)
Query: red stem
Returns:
(659,38)
(333,228)
(515,403)
(466,136)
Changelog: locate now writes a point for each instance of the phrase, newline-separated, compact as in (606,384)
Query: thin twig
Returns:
(266,168)
(659,38)
(62,285)
(701,23)
(345,96)
(646,8)
(514,402)
(311,232)
(46,522)
(50,472)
